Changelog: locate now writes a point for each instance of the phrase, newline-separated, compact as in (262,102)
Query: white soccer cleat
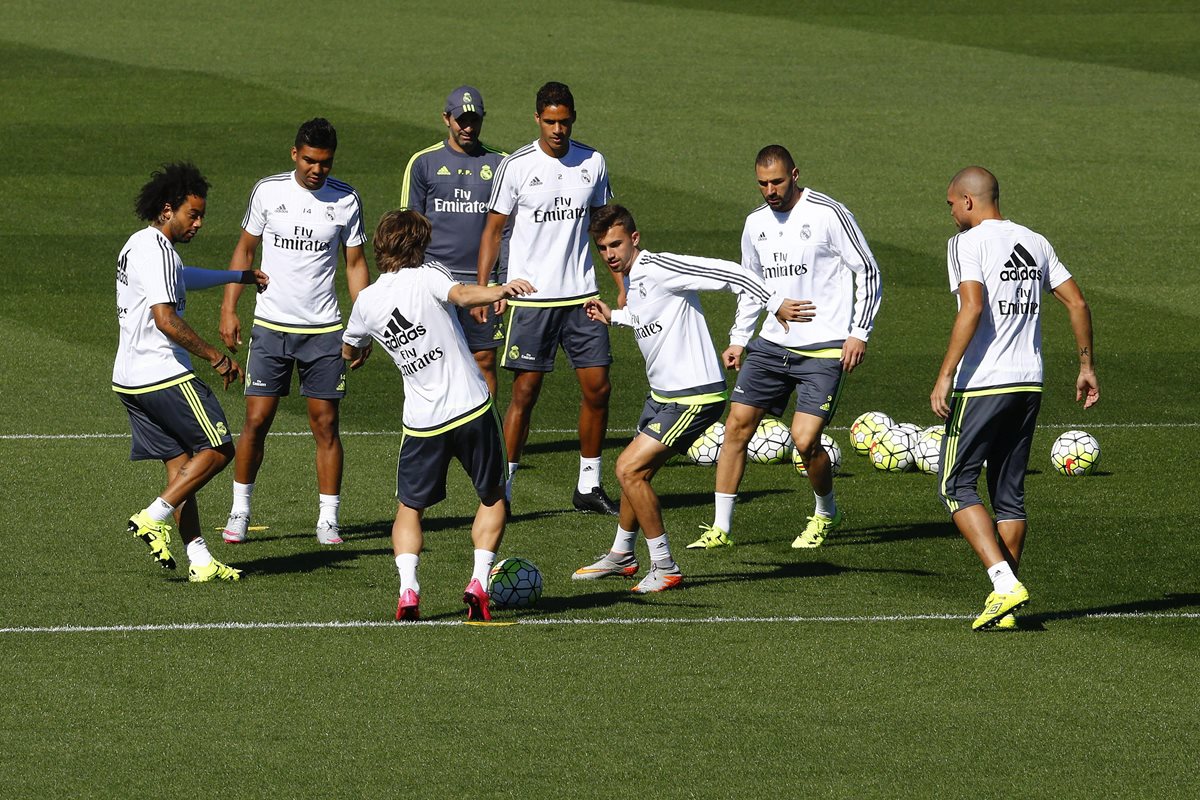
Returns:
(328,533)
(235,528)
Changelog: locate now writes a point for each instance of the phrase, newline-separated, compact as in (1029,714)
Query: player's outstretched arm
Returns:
(242,259)
(467,295)
(1087,389)
(970,298)
(598,311)
(489,254)
(175,328)
(199,278)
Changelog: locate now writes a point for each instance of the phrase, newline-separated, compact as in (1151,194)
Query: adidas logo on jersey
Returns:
(443,171)
(535,181)
(762,236)
(282,209)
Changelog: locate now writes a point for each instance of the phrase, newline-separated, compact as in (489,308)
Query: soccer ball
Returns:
(831,447)
(914,432)
(864,430)
(928,451)
(892,450)
(514,583)
(771,443)
(1075,453)
(707,448)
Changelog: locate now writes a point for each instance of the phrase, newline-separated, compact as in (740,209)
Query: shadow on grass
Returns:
(568,444)
(1168,602)
(884,534)
(694,499)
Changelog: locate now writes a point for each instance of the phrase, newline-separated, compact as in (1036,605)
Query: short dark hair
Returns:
(318,133)
(169,185)
(775,154)
(555,94)
(610,216)
(401,238)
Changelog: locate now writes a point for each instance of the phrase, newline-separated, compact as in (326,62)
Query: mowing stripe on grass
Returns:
(238,626)
(125,435)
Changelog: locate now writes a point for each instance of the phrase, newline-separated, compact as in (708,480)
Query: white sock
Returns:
(660,551)
(160,510)
(406,564)
(483,565)
(1003,579)
(624,541)
(512,476)
(329,508)
(197,553)
(589,474)
(241,498)
(723,516)
(826,506)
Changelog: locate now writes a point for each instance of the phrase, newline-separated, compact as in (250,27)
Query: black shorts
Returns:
(481,335)
(179,419)
(677,425)
(771,373)
(997,428)
(318,357)
(535,333)
(424,459)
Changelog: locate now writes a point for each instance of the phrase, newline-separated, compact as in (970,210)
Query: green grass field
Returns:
(848,671)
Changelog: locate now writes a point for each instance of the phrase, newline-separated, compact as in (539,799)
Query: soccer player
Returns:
(450,183)
(301,219)
(803,244)
(549,188)
(687,384)
(448,411)
(989,387)
(173,415)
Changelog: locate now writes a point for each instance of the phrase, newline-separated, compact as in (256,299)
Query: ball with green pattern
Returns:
(514,583)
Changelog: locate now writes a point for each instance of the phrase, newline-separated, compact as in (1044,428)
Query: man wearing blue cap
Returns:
(451,183)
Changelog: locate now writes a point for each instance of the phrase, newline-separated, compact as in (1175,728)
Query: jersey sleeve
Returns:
(415,188)
(603,191)
(438,281)
(748,307)
(255,221)
(352,231)
(684,273)
(357,333)
(157,273)
(1056,273)
(504,193)
(846,238)
(195,278)
(962,263)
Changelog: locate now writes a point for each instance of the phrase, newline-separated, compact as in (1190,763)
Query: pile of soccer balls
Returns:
(890,446)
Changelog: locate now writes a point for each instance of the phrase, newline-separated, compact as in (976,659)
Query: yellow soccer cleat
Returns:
(999,605)
(156,535)
(1007,623)
(816,531)
(711,538)
(213,570)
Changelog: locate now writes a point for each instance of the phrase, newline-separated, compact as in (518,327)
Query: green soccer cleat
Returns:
(711,538)
(818,528)
(609,565)
(213,570)
(1007,623)
(156,535)
(1000,605)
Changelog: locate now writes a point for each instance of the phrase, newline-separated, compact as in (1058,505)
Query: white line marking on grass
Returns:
(551,621)
(125,435)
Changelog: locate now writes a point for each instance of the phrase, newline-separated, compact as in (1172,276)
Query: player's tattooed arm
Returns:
(175,328)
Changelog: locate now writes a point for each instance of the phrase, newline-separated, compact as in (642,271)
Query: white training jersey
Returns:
(663,308)
(149,272)
(549,201)
(1016,266)
(408,313)
(302,232)
(813,252)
